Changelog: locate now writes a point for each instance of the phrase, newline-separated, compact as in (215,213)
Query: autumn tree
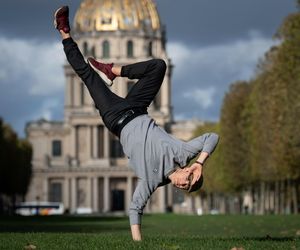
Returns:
(15,163)
(234,137)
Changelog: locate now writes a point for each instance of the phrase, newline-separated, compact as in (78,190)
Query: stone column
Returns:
(66,194)
(170,195)
(95,142)
(95,195)
(89,142)
(162,199)
(106,194)
(73,195)
(106,143)
(89,192)
(45,194)
(165,96)
(77,92)
(73,142)
(128,193)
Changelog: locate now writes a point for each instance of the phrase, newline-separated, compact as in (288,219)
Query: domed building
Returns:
(77,161)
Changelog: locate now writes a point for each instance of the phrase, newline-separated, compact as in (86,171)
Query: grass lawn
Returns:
(168,231)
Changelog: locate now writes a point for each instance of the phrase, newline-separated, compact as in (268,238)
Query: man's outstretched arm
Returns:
(206,144)
(140,197)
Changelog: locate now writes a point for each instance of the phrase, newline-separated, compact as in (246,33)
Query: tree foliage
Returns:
(15,162)
(259,124)
(233,133)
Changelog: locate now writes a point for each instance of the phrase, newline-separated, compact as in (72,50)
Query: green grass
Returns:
(169,231)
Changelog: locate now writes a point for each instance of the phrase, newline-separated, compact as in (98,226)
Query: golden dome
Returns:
(111,15)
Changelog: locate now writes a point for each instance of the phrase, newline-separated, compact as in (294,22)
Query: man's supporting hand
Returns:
(136,232)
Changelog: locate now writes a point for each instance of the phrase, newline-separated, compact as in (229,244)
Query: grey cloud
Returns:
(39,65)
(202,22)
(32,82)
(205,26)
(206,73)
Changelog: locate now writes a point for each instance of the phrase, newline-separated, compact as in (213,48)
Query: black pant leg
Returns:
(103,97)
(110,105)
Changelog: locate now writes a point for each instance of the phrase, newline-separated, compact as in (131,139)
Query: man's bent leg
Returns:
(150,74)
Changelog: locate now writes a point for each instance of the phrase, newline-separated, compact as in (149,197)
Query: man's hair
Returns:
(197,185)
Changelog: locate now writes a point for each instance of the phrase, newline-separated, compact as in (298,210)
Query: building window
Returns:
(129,49)
(56,148)
(85,49)
(150,49)
(105,49)
(118,200)
(55,194)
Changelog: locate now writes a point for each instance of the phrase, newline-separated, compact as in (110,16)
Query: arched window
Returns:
(150,49)
(105,49)
(85,49)
(56,148)
(129,49)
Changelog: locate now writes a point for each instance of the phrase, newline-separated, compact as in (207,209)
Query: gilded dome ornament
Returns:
(112,15)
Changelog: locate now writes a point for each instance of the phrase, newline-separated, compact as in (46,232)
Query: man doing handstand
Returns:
(156,157)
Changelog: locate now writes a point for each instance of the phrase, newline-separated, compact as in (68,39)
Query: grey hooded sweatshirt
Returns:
(153,154)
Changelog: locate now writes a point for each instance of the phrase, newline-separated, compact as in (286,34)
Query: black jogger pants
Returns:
(150,75)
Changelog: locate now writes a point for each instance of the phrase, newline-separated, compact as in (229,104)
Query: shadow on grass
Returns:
(67,224)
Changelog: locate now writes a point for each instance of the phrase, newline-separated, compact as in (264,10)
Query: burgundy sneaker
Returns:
(104,70)
(61,19)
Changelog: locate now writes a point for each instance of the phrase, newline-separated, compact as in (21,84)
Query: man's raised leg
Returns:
(103,98)
(151,75)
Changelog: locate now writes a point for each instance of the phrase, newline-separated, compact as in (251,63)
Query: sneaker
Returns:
(61,19)
(104,70)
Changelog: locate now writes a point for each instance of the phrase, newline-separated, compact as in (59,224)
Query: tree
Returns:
(15,163)
(234,137)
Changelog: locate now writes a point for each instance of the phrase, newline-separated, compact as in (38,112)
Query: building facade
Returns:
(77,161)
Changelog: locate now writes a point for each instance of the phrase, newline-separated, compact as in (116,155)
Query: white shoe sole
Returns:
(54,22)
(107,81)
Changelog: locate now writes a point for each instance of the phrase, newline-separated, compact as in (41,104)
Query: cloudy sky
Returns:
(212,43)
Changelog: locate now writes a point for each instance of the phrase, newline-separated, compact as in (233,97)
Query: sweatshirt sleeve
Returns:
(140,197)
(205,143)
